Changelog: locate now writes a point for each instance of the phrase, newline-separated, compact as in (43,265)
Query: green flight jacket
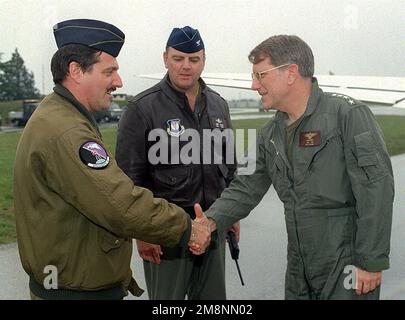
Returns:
(79,219)
(337,192)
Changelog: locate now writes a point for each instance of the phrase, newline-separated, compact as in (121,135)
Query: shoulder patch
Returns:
(94,155)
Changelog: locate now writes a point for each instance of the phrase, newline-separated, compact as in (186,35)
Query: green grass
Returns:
(250,123)
(8,143)
(121,103)
(392,126)
(394,133)
(254,113)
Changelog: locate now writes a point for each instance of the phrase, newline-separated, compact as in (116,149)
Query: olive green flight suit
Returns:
(337,191)
(77,218)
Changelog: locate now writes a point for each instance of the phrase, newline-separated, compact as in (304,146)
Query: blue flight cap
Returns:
(92,33)
(187,40)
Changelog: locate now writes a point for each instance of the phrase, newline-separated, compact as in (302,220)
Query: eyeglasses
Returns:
(259,75)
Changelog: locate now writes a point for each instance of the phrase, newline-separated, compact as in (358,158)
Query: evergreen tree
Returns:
(16,82)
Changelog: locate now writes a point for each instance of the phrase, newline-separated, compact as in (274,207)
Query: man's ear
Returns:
(165,57)
(75,71)
(293,73)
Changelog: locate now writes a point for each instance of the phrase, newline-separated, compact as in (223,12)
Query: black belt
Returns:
(114,292)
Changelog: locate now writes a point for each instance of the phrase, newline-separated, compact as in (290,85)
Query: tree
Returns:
(2,79)
(16,82)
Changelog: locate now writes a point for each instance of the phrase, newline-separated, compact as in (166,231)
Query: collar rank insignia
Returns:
(174,127)
(94,155)
(310,139)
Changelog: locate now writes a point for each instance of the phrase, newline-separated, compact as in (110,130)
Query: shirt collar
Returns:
(177,95)
(65,93)
(313,102)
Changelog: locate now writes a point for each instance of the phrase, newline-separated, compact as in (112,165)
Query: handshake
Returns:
(201,232)
(199,240)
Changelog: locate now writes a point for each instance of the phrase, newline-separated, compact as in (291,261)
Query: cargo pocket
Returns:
(341,230)
(368,158)
(109,242)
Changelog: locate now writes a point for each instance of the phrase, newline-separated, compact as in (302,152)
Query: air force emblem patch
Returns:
(174,127)
(94,155)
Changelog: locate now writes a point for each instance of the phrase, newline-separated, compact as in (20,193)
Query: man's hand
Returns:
(366,281)
(149,251)
(200,232)
(235,228)
(202,218)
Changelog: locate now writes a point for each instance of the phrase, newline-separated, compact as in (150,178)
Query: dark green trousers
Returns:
(181,274)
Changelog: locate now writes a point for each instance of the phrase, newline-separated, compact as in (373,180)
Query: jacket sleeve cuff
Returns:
(373,265)
(186,235)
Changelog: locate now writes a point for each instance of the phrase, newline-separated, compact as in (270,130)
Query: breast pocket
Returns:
(172,183)
(326,154)
(324,176)
(323,164)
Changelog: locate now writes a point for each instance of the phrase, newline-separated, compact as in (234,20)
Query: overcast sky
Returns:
(357,37)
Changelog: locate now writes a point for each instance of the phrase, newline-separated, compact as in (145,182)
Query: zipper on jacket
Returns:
(196,120)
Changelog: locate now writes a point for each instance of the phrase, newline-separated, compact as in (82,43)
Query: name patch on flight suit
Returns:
(310,139)
(217,123)
(94,155)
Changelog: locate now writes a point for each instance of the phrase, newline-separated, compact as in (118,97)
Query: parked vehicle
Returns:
(113,113)
(20,118)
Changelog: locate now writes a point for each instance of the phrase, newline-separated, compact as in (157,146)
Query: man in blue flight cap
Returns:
(76,211)
(178,104)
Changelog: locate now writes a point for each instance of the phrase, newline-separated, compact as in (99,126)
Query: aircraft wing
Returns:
(380,90)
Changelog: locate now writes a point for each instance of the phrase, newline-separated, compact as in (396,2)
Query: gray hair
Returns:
(284,49)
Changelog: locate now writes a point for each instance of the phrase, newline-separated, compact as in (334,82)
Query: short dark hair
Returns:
(83,55)
(283,49)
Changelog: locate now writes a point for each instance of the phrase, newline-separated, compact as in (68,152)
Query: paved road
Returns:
(262,257)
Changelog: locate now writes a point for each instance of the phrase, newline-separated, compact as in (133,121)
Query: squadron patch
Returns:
(174,127)
(310,139)
(94,155)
